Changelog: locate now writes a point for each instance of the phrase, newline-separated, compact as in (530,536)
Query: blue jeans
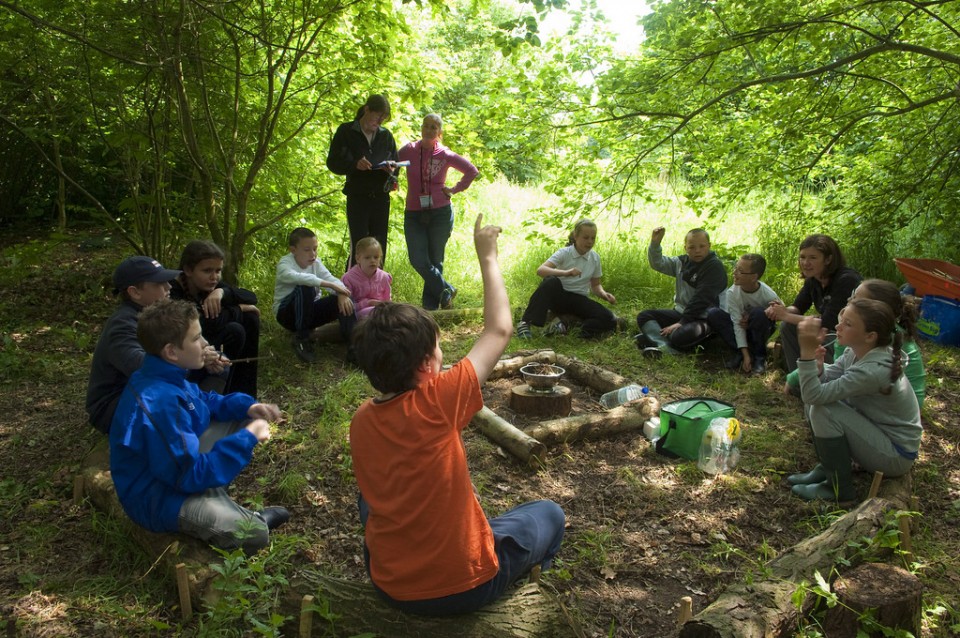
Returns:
(301,311)
(427,233)
(526,536)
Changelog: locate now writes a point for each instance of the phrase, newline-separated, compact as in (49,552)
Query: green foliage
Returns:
(851,103)
(250,588)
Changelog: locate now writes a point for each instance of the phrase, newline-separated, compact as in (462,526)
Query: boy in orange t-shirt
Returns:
(431,548)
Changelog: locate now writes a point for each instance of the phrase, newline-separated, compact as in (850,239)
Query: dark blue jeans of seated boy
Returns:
(525,536)
(759,328)
(301,311)
(687,337)
(427,233)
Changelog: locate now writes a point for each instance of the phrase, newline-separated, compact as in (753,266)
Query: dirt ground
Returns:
(643,531)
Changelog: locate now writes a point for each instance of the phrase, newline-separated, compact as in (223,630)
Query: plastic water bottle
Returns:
(622,395)
(719,449)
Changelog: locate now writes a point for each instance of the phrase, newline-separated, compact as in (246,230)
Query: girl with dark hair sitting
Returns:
(827,284)
(229,317)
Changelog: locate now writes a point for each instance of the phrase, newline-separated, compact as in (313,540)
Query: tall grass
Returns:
(533,228)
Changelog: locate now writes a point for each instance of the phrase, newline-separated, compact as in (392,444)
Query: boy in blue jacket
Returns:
(170,462)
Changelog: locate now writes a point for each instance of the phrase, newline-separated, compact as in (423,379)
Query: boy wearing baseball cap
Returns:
(140,281)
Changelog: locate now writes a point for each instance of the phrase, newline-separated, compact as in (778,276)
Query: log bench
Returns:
(764,608)
(529,611)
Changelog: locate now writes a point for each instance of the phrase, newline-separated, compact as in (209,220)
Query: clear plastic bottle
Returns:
(622,395)
(719,449)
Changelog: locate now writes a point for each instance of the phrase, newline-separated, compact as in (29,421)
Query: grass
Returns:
(110,589)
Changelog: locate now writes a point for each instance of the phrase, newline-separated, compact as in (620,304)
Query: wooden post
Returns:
(183,588)
(78,489)
(903,522)
(686,610)
(306,616)
(875,485)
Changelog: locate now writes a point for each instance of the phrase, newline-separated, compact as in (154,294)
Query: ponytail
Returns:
(896,365)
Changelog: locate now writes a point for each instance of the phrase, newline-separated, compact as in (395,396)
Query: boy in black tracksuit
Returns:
(700,278)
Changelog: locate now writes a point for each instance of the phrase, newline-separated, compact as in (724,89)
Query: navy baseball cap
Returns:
(138,269)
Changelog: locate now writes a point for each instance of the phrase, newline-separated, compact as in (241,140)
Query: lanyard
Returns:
(424,173)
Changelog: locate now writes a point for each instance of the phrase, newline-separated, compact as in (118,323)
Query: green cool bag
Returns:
(682,424)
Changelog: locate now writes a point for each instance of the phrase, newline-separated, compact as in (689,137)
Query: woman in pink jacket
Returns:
(428,220)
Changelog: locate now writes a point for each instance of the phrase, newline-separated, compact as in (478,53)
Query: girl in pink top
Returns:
(369,285)
(428,220)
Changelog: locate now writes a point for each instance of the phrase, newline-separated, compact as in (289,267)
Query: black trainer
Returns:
(274,517)
(643,341)
(303,348)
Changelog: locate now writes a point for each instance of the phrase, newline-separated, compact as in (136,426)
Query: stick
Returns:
(183,588)
(875,486)
(77,489)
(903,522)
(248,359)
(306,616)
(686,610)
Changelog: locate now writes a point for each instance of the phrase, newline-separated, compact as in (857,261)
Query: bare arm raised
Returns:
(497,322)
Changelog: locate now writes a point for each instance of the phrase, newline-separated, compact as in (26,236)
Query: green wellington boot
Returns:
(816,475)
(834,456)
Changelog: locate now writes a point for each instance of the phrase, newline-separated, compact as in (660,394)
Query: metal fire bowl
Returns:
(539,382)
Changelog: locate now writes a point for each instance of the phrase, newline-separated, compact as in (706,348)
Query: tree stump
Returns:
(893,592)
(526,400)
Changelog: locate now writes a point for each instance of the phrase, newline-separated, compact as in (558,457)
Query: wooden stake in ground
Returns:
(686,610)
(183,589)
(306,616)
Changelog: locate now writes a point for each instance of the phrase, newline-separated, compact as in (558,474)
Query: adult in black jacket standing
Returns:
(366,154)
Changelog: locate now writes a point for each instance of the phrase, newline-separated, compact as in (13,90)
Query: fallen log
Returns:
(527,612)
(511,367)
(765,608)
(625,418)
(513,440)
(165,550)
(600,379)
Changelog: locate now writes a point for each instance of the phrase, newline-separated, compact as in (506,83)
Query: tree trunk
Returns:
(595,377)
(765,608)
(511,439)
(893,592)
(624,418)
